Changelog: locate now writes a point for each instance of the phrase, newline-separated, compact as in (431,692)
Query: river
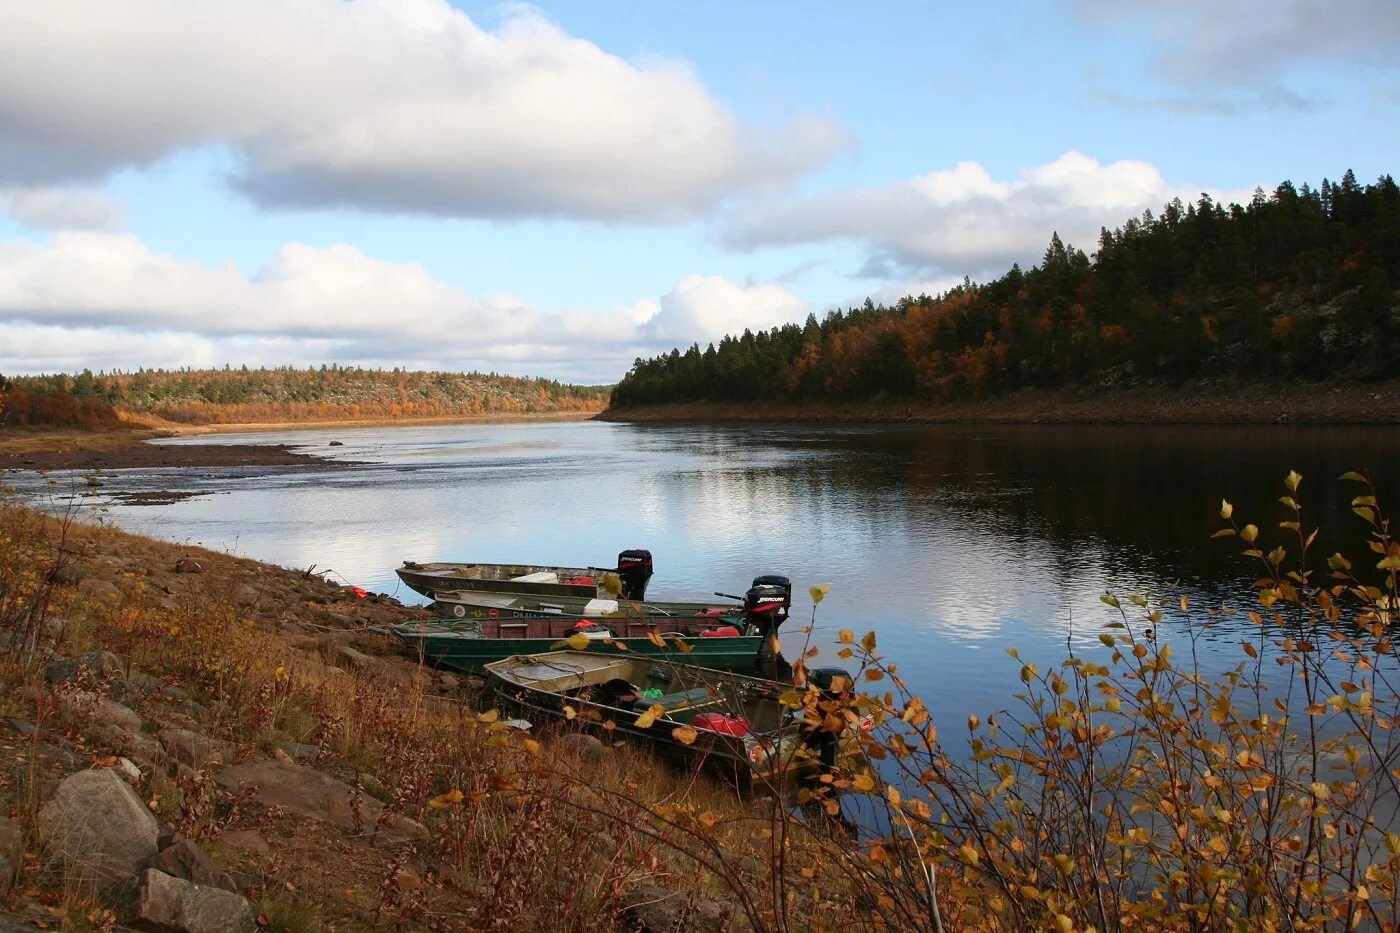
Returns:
(951,542)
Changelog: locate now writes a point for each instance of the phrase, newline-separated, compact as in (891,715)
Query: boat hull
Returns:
(734,653)
(431,579)
(540,688)
(483,605)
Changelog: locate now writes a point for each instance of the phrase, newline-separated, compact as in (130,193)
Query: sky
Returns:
(556,190)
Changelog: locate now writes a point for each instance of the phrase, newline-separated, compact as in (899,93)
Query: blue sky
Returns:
(554,190)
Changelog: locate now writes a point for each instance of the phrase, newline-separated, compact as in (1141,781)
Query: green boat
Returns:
(475,604)
(471,644)
(724,639)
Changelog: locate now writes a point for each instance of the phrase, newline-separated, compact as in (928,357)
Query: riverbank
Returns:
(125,447)
(190,732)
(1371,403)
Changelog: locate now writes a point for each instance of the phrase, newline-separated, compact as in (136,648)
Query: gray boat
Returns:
(628,579)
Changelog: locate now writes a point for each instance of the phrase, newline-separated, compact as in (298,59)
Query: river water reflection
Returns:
(952,542)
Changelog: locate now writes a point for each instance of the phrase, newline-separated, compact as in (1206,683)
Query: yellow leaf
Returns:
(818,593)
(686,735)
(655,638)
(448,799)
(531,746)
(863,782)
(1320,790)
(1353,476)
(1063,924)
(969,854)
(847,637)
(868,641)
(1226,509)
(893,795)
(1107,639)
(1249,532)
(1292,480)
(973,722)
(645,720)
(490,715)
(570,712)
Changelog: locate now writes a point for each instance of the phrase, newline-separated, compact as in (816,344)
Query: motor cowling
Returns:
(634,569)
(766,606)
(825,679)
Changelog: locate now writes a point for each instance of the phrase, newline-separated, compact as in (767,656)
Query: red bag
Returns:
(722,724)
(724,631)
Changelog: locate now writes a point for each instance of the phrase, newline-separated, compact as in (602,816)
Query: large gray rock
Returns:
(187,861)
(173,904)
(100,665)
(191,748)
(587,747)
(658,909)
(310,793)
(98,829)
(81,704)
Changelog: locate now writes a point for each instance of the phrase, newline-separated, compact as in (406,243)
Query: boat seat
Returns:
(539,576)
(696,696)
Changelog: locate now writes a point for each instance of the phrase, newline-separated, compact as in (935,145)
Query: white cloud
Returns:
(961,221)
(108,300)
(392,105)
(61,208)
(706,308)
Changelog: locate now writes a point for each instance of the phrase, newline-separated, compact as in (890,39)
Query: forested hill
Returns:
(1300,284)
(331,393)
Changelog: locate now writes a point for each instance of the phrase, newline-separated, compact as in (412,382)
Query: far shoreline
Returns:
(1353,404)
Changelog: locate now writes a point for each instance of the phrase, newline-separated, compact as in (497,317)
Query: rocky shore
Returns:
(191,741)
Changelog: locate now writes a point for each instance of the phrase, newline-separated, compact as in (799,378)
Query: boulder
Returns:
(245,596)
(174,904)
(189,747)
(100,665)
(312,794)
(658,909)
(81,704)
(298,751)
(355,659)
(586,747)
(187,861)
(66,573)
(98,829)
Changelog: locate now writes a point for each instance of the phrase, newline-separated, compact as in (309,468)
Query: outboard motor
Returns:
(766,607)
(768,602)
(824,679)
(634,569)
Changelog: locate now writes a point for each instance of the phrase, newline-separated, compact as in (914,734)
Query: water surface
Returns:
(952,542)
